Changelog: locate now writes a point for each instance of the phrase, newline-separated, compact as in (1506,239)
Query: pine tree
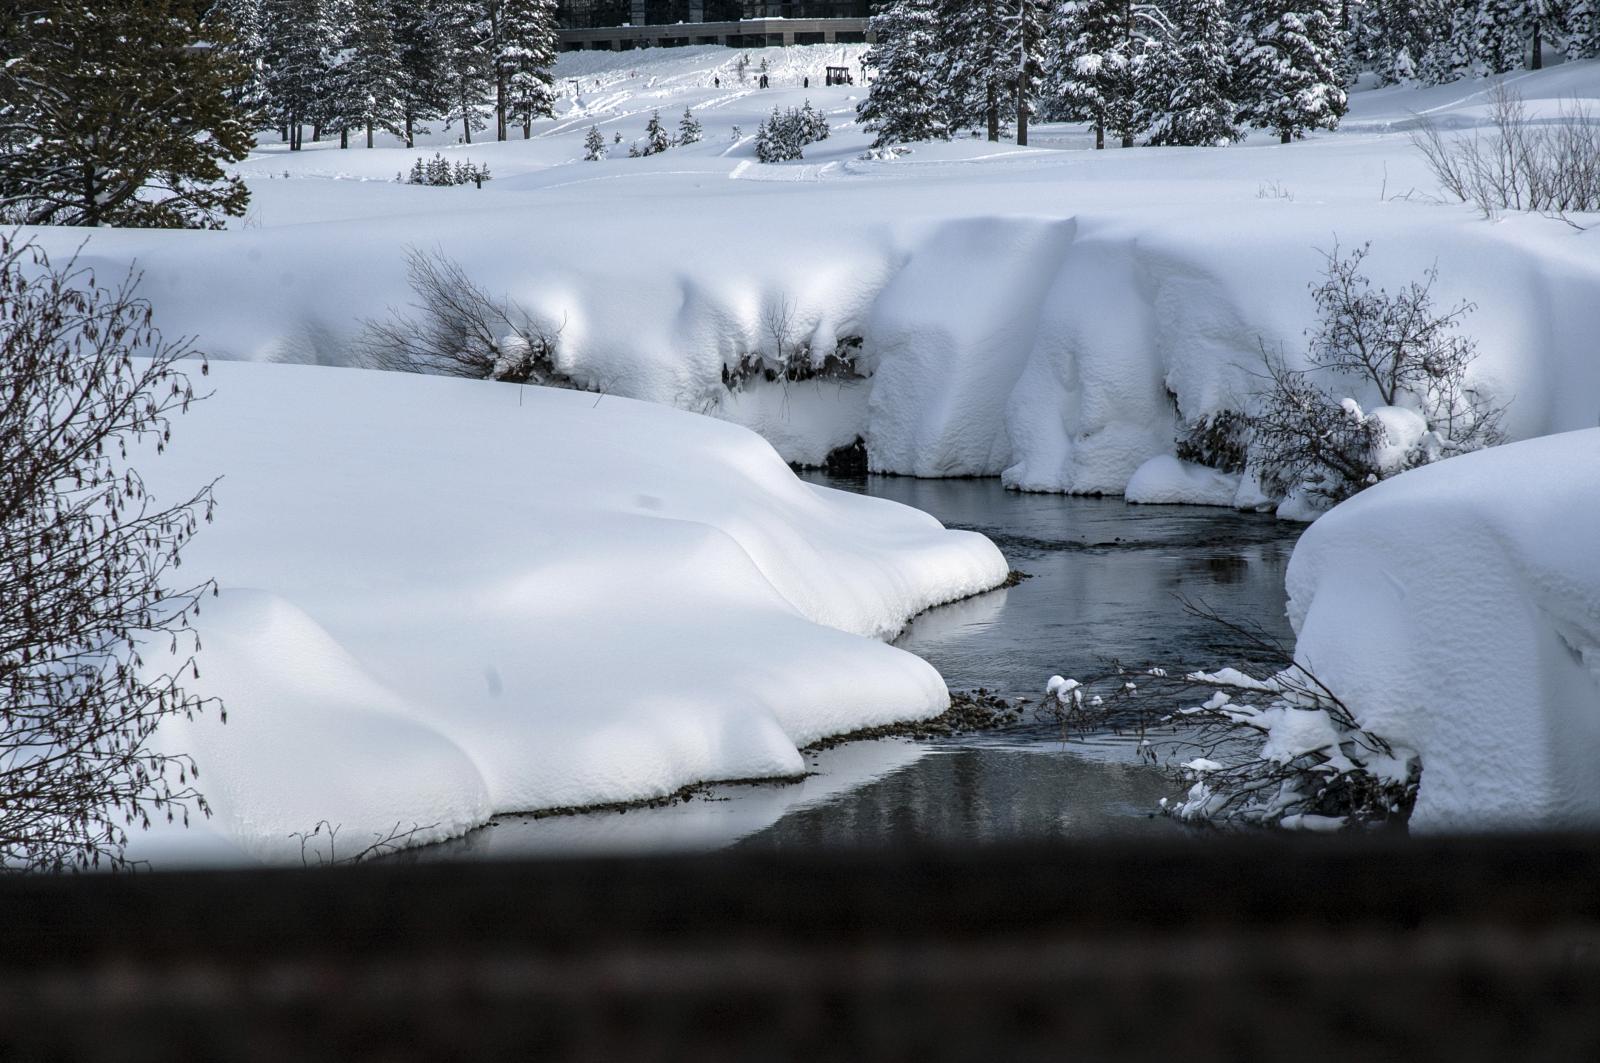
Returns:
(466,62)
(976,68)
(1451,52)
(1092,68)
(594,145)
(299,44)
(236,26)
(656,139)
(421,55)
(114,115)
(689,129)
(1582,38)
(1287,56)
(1026,40)
(1183,85)
(906,101)
(368,93)
(523,41)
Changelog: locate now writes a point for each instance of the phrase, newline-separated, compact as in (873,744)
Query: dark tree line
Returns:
(1193,72)
(343,66)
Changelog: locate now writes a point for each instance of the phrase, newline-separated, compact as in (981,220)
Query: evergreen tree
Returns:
(1026,40)
(298,60)
(466,61)
(1183,85)
(689,130)
(1582,36)
(423,95)
(656,139)
(1287,58)
(115,115)
(1092,68)
(906,101)
(973,62)
(368,93)
(524,44)
(236,27)
(594,145)
(1451,52)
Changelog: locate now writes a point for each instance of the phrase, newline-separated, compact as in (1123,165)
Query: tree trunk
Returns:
(1127,140)
(369,134)
(993,113)
(500,107)
(411,141)
(1536,62)
(344,138)
(466,121)
(527,126)
(1288,137)
(1100,134)
(91,197)
(316,132)
(283,132)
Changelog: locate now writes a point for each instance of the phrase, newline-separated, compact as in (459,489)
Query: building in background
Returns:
(622,24)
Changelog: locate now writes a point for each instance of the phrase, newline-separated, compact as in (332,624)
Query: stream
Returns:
(1108,581)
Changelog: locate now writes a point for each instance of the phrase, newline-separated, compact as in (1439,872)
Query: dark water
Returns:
(1108,583)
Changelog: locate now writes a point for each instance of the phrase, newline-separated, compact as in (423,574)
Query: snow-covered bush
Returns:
(1278,749)
(1399,352)
(1546,167)
(1219,440)
(462,331)
(784,136)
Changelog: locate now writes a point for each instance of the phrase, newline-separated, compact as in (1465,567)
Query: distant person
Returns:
(763,81)
(716,82)
(805,83)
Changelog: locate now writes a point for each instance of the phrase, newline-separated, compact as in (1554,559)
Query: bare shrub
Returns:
(319,846)
(87,560)
(1267,746)
(460,330)
(1397,347)
(1520,164)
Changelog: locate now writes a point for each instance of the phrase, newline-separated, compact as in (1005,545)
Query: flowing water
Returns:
(1108,583)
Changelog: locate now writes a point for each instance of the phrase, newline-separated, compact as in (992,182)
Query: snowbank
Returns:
(1165,480)
(1456,610)
(1049,315)
(446,599)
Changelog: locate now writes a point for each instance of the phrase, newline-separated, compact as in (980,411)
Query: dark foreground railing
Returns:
(1214,949)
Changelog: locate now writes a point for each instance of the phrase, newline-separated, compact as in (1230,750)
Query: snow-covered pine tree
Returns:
(1582,36)
(973,64)
(1092,65)
(1183,83)
(1287,57)
(813,124)
(689,130)
(524,43)
(423,95)
(1026,41)
(656,139)
(237,28)
(906,100)
(367,82)
(594,145)
(1451,52)
(1391,38)
(299,42)
(1497,35)
(466,61)
(110,115)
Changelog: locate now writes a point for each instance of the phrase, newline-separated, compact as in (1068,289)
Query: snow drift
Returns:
(445,599)
(1456,610)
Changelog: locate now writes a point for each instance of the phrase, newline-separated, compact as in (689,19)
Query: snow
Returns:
(444,599)
(1166,480)
(1456,611)
(1043,314)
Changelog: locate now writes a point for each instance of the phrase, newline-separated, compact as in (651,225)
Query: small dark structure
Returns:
(839,75)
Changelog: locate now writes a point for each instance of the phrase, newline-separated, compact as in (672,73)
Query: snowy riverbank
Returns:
(446,599)
(1050,315)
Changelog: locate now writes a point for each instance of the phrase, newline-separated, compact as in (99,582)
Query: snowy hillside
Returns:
(447,599)
(1041,313)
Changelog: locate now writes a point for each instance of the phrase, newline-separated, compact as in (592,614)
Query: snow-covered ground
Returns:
(1036,312)
(446,599)
(1456,610)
